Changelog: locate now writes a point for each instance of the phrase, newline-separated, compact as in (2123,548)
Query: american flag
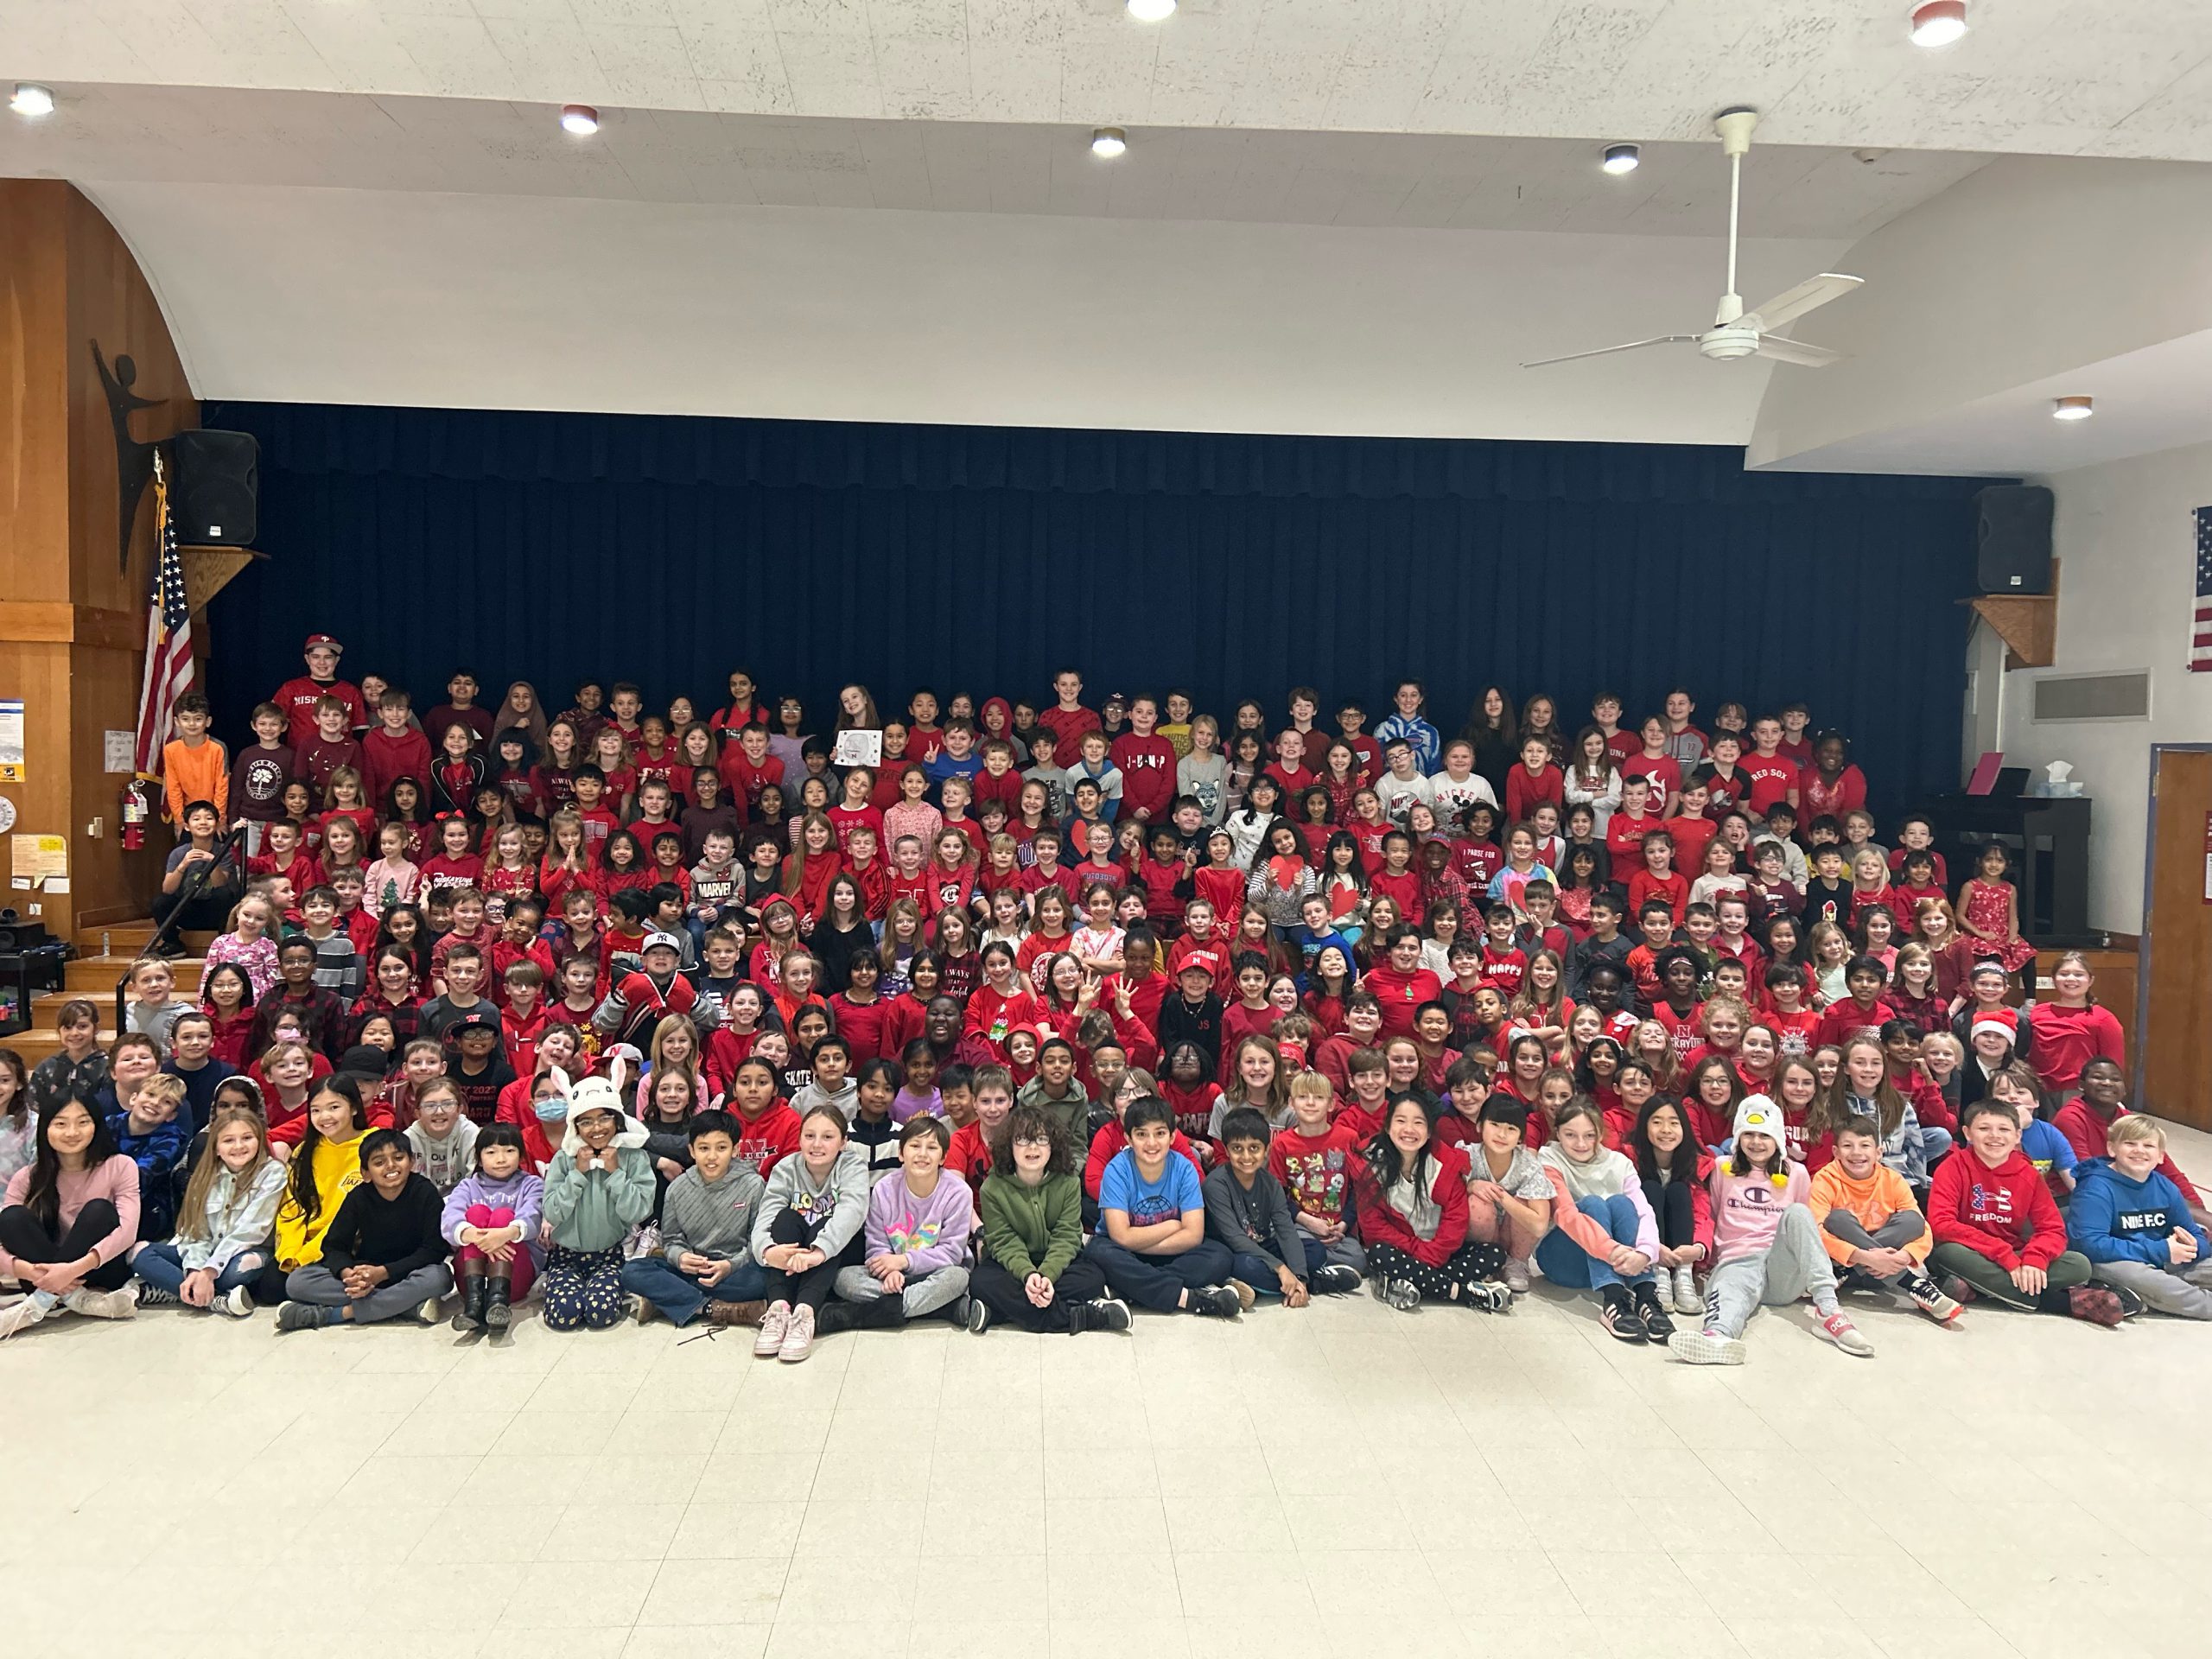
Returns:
(2200,637)
(168,639)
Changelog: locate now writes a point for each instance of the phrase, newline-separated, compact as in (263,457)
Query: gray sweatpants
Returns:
(2183,1292)
(1899,1231)
(1796,1265)
(924,1295)
(319,1285)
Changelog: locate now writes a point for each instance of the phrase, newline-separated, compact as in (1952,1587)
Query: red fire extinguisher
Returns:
(134,817)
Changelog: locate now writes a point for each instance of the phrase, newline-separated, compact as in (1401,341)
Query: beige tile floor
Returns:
(1345,1479)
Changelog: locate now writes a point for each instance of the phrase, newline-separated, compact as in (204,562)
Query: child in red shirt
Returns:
(1659,878)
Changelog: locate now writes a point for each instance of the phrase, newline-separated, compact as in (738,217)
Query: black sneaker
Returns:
(1619,1319)
(1216,1301)
(833,1317)
(1107,1313)
(298,1316)
(1490,1295)
(960,1308)
(1337,1279)
(979,1315)
(1959,1290)
(2130,1303)
(1657,1327)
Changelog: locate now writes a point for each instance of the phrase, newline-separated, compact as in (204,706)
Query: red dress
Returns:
(1988,904)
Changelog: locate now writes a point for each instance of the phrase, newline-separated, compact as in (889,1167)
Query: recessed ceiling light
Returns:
(31,99)
(1151,12)
(580,119)
(1621,158)
(2072,409)
(1939,23)
(1108,141)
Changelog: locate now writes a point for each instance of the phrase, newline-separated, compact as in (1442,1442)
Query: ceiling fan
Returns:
(1735,332)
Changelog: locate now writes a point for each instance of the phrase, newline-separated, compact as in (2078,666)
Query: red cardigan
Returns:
(1379,1224)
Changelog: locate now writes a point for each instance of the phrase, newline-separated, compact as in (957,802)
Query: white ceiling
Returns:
(1336,216)
(2128,77)
(217,135)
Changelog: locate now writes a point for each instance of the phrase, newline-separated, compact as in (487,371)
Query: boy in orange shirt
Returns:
(195,767)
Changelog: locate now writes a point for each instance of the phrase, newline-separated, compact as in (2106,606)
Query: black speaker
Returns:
(215,497)
(2012,538)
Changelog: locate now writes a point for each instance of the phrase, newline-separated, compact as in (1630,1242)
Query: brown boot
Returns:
(744,1314)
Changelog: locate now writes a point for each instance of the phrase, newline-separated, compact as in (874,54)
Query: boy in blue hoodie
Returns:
(2135,1227)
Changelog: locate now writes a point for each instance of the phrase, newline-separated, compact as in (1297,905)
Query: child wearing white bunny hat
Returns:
(1767,1248)
(599,1187)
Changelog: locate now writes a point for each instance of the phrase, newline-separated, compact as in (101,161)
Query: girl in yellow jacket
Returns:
(327,1167)
(1872,1229)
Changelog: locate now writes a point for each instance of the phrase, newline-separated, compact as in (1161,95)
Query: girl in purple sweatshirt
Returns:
(915,1260)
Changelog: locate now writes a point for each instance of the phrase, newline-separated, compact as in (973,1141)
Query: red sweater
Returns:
(1401,994)
(2063,1040)
(385,759)
(2005,1214)
(1147,766)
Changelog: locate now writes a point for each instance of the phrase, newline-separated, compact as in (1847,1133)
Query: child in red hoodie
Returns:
(1998,1233)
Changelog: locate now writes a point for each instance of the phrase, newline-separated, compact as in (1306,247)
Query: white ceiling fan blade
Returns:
(1607,351)
(1797,352)
(1812,293)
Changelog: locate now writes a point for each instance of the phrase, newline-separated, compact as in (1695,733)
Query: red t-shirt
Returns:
(1771,780)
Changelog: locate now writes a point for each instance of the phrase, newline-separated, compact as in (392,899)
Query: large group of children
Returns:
(1034,1013)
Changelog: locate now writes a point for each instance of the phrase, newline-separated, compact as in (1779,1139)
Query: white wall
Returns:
(2127,537)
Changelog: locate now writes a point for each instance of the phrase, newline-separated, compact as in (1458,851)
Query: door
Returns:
(2175,1080)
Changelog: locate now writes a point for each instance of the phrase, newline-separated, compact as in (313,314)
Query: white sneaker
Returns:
(773,1324)
(1516,1275)
(236,1302)
(1705,1348)
(1837,1329)
(23,1315)
(1687,1302)
(102,1304)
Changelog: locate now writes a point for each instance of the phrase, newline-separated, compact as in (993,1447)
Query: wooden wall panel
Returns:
(72,611)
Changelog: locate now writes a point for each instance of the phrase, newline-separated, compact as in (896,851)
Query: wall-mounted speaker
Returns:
(2012,538)
(215,497)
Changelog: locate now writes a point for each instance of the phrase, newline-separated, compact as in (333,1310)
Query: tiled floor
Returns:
(1345,1479)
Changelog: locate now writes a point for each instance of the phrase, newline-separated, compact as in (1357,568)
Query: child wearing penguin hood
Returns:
(1767,1250)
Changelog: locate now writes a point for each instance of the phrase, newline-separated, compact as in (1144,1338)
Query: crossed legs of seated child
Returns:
(914,1257)
(1151,1242)
(384,1256)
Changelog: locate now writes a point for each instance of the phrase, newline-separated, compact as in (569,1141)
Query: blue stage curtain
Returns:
(670,550)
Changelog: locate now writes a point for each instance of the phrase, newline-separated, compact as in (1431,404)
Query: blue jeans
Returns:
(1259,1269)
(163,1266)
(1566,1263)
(680,1296)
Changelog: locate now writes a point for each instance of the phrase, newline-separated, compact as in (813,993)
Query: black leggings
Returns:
(24,1237)
(1671,1204)
(1080,1281)
(810,1288)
